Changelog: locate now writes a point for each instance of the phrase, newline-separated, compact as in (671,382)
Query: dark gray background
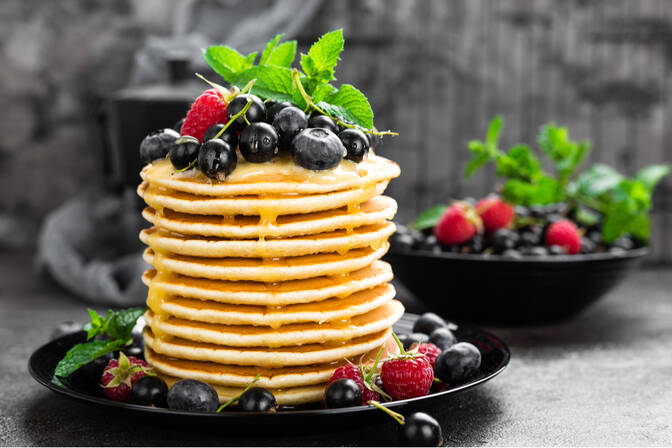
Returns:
(436,71)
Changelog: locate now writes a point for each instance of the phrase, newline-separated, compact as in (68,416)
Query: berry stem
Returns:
(188,167)
(395,415)
(237,397)
(399,344)
(248,86)
(369,375)
(312,105)
(234,118)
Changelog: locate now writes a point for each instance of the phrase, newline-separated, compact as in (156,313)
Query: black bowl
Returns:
(496,290)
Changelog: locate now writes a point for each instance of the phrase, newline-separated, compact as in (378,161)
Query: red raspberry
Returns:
(120,374)
(564,234)
(495,213)
(207,109)
(407,377)
(354,373)
(428,349)
(458,224)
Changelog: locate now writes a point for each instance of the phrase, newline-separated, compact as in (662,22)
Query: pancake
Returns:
(335,241)
(372,321)
(280,175)
(264,357)
(373,211)
(264,204)
(270,270)
(332,309)
(284,397)
(240,376)
(272,294)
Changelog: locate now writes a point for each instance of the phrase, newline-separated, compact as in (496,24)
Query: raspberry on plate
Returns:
(428,349)
(120,374)
(407,377)
(495,213)
(564,234)
(458,224)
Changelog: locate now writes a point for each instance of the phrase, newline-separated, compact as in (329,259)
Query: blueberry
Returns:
(289,122)
(86,379)
(317,149)
(150,391)
(557,250)
(402,241)
(420,429)
(475,245)
(192,395)
(342,393)
(429,243)
(538,211)
(617,250)
(511,253)
(442,338)
(157,144)
(228,136)
(530,238)
(272,110)
(216,159)
(458,363)
(407,340)
(258,143)
(137,347)
(522,211)
(595,236)
(535,251)
(177,127)
(257,399)
(624,242)
(429,322)
(356,144)
(504,239)
(588,246)
(184,152)
(322,121)
(256,113)
(554,217)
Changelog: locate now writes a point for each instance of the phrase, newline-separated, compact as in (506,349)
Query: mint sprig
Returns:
(114,330)
(308,88)
(600,191)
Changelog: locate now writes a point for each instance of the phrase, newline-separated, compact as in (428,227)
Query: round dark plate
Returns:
(495,357)
(496,290)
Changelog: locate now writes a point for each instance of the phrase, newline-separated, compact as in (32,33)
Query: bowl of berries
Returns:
(539,251)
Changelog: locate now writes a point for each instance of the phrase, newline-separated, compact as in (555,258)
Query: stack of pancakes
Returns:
(273,272)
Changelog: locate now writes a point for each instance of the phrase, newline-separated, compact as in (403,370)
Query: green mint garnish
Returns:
(598,192)
(115,330)
(308,88)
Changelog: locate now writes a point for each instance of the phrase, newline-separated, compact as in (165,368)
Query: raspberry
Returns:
(495,213)
(208,109)
(354,373)
(564,234)
(458,224)
(407,377)
(428,349)
(120,374)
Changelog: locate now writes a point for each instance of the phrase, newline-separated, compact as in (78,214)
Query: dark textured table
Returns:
(604,378)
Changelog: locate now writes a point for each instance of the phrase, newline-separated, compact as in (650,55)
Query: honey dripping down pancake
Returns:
(273,271)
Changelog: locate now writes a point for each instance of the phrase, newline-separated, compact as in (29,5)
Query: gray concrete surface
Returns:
(604,378)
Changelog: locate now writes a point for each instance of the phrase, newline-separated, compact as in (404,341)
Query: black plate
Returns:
(496,290)
(494,352)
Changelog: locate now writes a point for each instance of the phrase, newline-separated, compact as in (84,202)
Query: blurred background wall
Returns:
(435,71)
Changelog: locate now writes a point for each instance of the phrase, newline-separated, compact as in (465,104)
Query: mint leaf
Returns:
(281,55)
(323,56)
(586,216)
(322,91)
(271,82)
(567,154)
(122,322)
(519,163)
(227,62)
(651,175)
(349,104)
(596,181)
(544,191)
(84,353)
(98,324)
(428,218)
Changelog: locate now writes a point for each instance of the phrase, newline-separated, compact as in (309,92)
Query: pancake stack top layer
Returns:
(274,272)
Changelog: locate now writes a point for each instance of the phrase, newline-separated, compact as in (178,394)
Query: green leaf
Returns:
(492,136)
(478,159)
(545,191)
(651,175)
(323,56)
(596,181)
(640,227)
(484,152)
(322,91)
(349,104)
(519,163)
(587,217)
(281,55)
(567,154)
(271,82)
(84,353)
(227,62)
(428,218)
(98,324)
(122,322)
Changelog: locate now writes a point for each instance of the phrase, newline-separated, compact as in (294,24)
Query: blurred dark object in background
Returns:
(436,71)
